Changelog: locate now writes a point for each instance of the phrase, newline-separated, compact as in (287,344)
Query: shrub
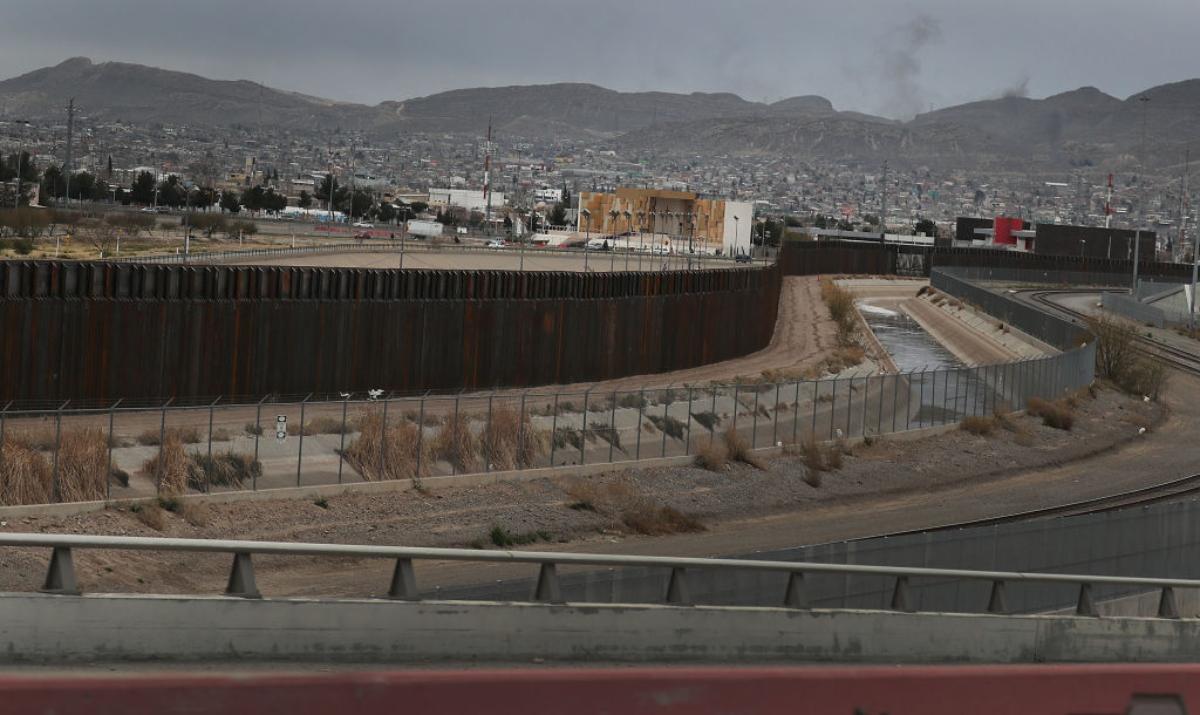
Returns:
(504,538)
(170,469)
(152,515)
(607,433)
(564,436)
(185,435)
(739,449)
(196,513)
(673,427)
(981,426)
(707,420)
(1054,414)
(712,456)
(455,443)
(83,465)
(840,303)
(821,458)
(321,502)
(377,456)
(24,475)
(508,442)
(1118,360)
(225,469)
(632,401)
(253,430)
(654,520)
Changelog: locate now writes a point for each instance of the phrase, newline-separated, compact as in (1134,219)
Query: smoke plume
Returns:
(900,56)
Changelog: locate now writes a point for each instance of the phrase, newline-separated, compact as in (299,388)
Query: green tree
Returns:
(927,227)
(419,207)
(387,212)
(306,200)
(254,198)
(142,191)
(229,202)
(171,192)
(54,185)
(558,215)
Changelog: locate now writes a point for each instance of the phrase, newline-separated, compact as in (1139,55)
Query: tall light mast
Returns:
(487,180)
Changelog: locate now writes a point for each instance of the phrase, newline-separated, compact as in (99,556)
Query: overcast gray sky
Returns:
(882,56)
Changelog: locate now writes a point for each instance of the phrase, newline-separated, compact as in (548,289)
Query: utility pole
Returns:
(70,136)
(883,203)
(1137,240)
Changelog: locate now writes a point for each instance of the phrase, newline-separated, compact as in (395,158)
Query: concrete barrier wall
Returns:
(65,629)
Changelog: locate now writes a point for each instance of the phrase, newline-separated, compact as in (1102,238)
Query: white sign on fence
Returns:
(281,427)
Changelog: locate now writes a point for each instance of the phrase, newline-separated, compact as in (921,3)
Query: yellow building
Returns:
(674,217)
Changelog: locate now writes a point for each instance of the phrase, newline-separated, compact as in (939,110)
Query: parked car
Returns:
(495,243)
(363,224)
(742,258)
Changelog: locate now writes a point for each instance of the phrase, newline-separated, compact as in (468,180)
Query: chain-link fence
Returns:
(119,452)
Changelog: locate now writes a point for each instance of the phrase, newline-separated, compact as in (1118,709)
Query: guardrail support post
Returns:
(1166,604)
(404,582)
(677,589)
(794,596)
(548,590)
(60,577)
(900,599)
(998,603)
(241,578)
(1086,606)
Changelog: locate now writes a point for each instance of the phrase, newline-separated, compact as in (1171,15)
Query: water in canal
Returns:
(907,342)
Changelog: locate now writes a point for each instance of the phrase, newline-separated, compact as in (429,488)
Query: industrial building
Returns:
(682,218)
(1052,239)
(468,199)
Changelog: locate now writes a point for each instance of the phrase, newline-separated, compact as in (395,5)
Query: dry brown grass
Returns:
(841,308)
(713,456)
(738,449)
(223,469)
(508,442)
(170,468)
(455,443)
(1058,414)
(1118,359)
(377,456)
(196,513)
(818,457)
(151,514)
(83,465)
(980,426)
(629,507)
(24,474)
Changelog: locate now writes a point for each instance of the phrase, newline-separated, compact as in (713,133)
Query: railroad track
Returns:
(1173,356)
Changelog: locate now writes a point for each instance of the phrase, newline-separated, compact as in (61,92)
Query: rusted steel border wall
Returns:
(820,257)
(90,332)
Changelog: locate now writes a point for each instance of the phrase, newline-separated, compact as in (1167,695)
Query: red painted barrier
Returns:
(1030,690)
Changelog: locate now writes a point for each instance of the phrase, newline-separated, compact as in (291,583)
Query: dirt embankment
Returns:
(887,486)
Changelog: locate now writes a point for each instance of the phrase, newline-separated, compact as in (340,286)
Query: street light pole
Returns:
(587,236)
(629,230)
(642,237)
(736,225)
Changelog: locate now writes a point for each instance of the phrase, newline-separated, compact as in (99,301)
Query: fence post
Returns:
(641,412)
(849,405)
(712,432)
(583,432)
(421,433)
(342,442)
(257,435)
(666,406)
(58,437)
(775,425)
(162,437)
(300,449)
(796,415)
(754,422)
(687,445)
(816,393)
(553,427)
(879,412)
(108,472)
(737,387)
(612,427)
(895,396)
(383,438)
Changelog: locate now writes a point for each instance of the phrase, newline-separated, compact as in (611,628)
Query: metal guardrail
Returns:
(61,578)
